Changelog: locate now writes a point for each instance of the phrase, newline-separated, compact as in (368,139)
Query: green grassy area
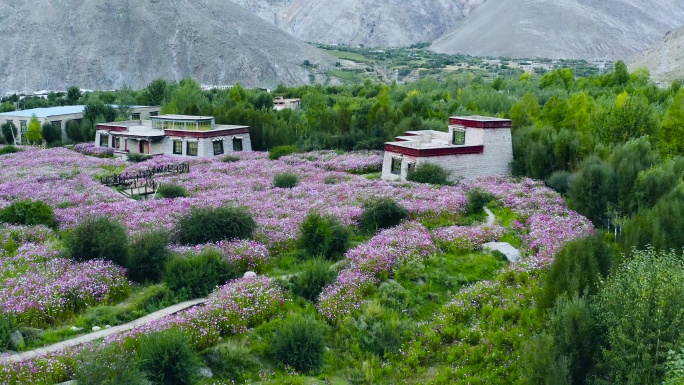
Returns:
(353,56)
(348,76)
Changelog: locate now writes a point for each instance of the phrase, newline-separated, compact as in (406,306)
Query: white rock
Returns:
(108,326)
(76,329)
(511,253)
(96,328)
(205,372)
(250,275)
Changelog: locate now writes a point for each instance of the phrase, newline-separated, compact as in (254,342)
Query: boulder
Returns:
(505,248)
(17,340)
(96,328)
(249,275)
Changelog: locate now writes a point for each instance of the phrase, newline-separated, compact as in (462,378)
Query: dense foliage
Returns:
(206,224)
(148,256)
(429,173)
(299,342)
(196,275)
(323,236)
(98,238)
(28,212)
(380,214)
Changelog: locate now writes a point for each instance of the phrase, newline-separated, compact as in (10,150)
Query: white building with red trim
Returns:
(179,135)
(474,146)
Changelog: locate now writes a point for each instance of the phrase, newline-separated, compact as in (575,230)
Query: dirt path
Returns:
(490,217)
(80,340)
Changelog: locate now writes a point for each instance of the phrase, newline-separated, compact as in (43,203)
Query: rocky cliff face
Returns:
(587,29)
(664,60)
(110,44)
(375,23)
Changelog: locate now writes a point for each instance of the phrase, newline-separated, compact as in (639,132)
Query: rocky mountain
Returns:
(665,59)
(587,29)
(50,44)
(375,23)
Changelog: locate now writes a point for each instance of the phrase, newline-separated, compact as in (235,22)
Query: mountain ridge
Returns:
(127,43)
(664,59)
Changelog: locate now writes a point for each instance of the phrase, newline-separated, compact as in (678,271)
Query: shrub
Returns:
(109,365)
(285,180)
(477,200)
(208,224)
(380,214)
(136,158)
(231,158)
(559,181)
(171,191)
(330,179)
(9,149)
(98,238)
(323,235)
(28,212)
(279,151)
(377,330)
(429,173)
(299,342)
(50,133)
(576,270)
(313,276)
(8,324)
(195,276)
(148,256)
(232,361)
(168,358)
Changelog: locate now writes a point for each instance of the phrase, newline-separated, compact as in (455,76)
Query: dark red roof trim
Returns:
(111,128)
(207,134)
(442,151)
(480,124)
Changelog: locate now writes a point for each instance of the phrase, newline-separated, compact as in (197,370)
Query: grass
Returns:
(353,56)
(348,76)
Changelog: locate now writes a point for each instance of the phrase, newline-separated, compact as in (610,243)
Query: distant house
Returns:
(280,103)
(474,146)
(59,116)
(179,135)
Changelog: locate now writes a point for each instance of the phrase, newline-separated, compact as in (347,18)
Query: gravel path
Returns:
(490,217)
(101,334)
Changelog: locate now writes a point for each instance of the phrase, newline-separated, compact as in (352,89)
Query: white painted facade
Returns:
(485,151)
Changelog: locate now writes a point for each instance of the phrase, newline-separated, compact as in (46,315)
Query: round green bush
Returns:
(209,224)
(168,358)
(148,256)
(279,151)
(429,173)
(28,212)
(559,181)
(314,275)
(299,342)
(477,200)
(323,235)
(197,275)
(172,191)
(137,158)
(109,365)
(233,361)
(98,238)
(381,213)
(11,149)
(285,180)
(231,158)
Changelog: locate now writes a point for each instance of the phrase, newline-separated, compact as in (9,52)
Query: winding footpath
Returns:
(80,340)
(490,216)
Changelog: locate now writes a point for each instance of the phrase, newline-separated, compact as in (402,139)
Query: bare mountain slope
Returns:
(665,59)
(587,29)
(109,44)
(385,23)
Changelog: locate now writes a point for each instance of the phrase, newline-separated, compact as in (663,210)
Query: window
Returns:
(192,149)
(218,147)
(411,167)
(135,116)
(459,137)
(178,147)
(154,113)
(104,140)
(9,121)
(117,142)
(56,124)
(237,144)
(22,126)
(396,166)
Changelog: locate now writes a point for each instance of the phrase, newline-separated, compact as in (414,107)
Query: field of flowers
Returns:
(38,284)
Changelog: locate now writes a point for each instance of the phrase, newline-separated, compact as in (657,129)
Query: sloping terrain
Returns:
(52,44)
(581,29)
(665,59)
(380,23)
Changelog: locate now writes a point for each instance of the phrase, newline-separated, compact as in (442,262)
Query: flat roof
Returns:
(480,118)
(56,111)
(181,117)
(143,131)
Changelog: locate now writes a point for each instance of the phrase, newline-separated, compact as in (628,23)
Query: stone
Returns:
(505,248)
(205,372)
(96,328)
(75,329)
(17,340)
(249,275)
(108,326)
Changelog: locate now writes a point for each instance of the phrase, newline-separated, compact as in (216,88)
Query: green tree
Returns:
(592,189)
(671,140)
(630,117)
(33,134)
(98,112)
(50,133)
(640,308)
(525,111)
(629,160)
(620,73)
(155,93)
(9,132)
(73,94)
